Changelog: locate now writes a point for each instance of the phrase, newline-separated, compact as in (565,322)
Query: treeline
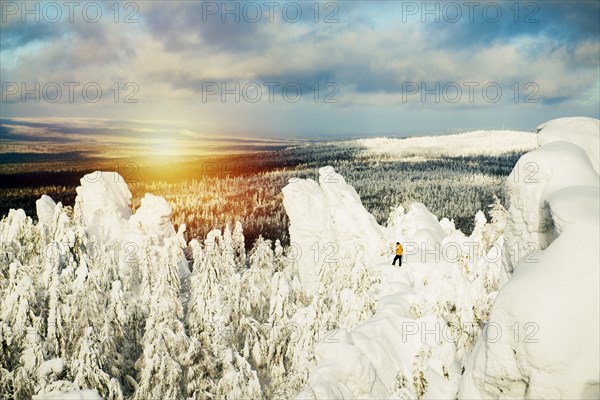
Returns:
(209,192)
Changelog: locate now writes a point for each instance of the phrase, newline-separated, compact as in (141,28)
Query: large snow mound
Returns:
(581,131)
(549,310)
(492,142)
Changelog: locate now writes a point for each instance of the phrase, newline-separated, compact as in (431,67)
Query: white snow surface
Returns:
(581,131)
(153,218)
(517,318)
(54,365)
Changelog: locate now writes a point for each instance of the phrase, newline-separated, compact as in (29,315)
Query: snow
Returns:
(70,395)
(11,225)
(554,290)
(511,311)
(103,202)
(328,221)
(581,131)
(45,208)
(55,366)
(153,217)
(486,316)
(416,305)
(456,145)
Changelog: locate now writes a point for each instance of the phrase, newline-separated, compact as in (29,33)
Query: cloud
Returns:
(371,53)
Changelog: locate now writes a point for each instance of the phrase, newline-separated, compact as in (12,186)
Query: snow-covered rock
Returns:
(327,222)
(45,208)
(581,131)
(103,205)
(418,223)
(103,202)
(428,310)
(153,217)
(549,310)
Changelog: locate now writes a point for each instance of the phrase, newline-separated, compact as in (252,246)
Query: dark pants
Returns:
(399,258)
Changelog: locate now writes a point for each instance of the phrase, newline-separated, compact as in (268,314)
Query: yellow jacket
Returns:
(398,249)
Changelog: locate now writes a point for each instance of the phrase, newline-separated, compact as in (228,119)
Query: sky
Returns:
(189,71)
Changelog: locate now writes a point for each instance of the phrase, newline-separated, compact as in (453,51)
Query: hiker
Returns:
(398,254)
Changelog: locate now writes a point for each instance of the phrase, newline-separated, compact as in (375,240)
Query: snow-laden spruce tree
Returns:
(239,380)
(87,369)
(282,334)
(207,308)
(111,335)
(26,381)
(228,251)
(254,294)
(16,313)
(166,345)
(256,281)
(55,334)
(239,244)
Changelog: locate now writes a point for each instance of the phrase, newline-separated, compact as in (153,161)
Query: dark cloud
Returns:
(555,100)
(566,22)
(18,34)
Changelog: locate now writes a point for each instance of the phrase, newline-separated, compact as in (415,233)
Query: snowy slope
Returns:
(517,317)
(456,145)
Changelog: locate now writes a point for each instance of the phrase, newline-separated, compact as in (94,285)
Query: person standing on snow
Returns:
(398,254)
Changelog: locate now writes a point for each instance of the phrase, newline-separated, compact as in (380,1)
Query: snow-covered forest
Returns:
(454,175)
(110,298)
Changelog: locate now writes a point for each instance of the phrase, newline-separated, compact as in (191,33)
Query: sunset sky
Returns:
(369,60)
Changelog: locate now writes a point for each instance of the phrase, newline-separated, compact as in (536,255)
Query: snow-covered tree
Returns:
(87,368)
(239,244)
(162,373)
(26,381)
(239,380)
(207,306)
